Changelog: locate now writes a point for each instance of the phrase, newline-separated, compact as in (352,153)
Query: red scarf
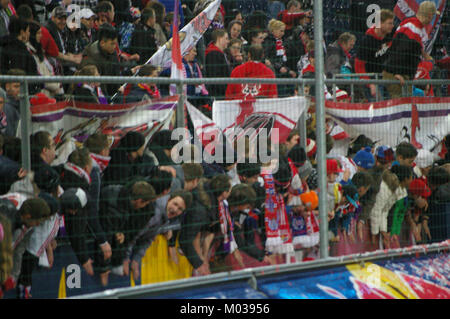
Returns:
(280,49)
(101,161)
(278,231)
(78,171)
(226,227)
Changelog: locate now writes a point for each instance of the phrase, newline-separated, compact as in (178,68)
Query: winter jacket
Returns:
(335,59)
(143,42)
(8,173)
(216,66)
(156,225)
(439,212)
(368,200)
(405,52)
(15,55)
(276,58)
(194,221)
(11,110)
(107,64)
(390,192)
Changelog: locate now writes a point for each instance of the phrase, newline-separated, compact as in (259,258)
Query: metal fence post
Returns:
(25,125)
(302,120)
(180,106)
(320,128)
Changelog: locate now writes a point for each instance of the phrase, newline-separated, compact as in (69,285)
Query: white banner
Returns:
(421,121)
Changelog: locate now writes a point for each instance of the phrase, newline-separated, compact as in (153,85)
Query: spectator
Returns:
(102,53)
(394,185)
(338,54)
(44,67)
(88,92)
(124,212)
(364,159)
(439,204)
(275,55)
(10,171)
(255,36)
(11,106)
(14,50)
(216,62)
(142,91)
(407,49)
(235,29)
(372,51)
(30,214)
(88,32)
(247,7)
(167,212)
(419,213)
(197,94)
(126,160)
(242,200)
(405,154)
(143,40)
(105,13)
(254,68)
(6,12)
(160,14)
(56,26)
(234,53)
(126,28)
(291,15)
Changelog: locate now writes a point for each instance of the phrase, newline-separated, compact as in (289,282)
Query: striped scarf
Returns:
(280,49)
(101,161)
(78,171)
(226,227)
(278,231)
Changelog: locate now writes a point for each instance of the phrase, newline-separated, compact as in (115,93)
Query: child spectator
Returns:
(362,181)
(88,92)
(419,213)
(241,200)
(393,188)
(275,54)
(142,91)
(405,154)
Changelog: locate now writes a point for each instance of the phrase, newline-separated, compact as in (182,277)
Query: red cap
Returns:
(420,188)
(333,166)
(41,99)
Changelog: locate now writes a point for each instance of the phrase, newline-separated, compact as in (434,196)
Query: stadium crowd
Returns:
(111,202)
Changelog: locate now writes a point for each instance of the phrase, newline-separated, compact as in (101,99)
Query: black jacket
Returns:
(143,42)
(15,55)
(195,220)
(439,212)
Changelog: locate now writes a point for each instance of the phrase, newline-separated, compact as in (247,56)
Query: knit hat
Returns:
(73,198)
(311,147)
(135,13)
(297,155)
(341,95)
(364,158)
(132,141)
(47,179)
(424,158)
(420,188)
(333,166)
(305,170)
(385,153)
(310,197)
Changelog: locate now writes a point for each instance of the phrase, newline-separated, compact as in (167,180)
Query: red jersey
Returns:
(251,69)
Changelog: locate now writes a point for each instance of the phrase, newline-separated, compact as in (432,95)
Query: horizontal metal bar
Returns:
(158,80)
(355,75)
(261,272)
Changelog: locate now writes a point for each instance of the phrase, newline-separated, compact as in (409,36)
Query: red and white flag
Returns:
(177,65)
